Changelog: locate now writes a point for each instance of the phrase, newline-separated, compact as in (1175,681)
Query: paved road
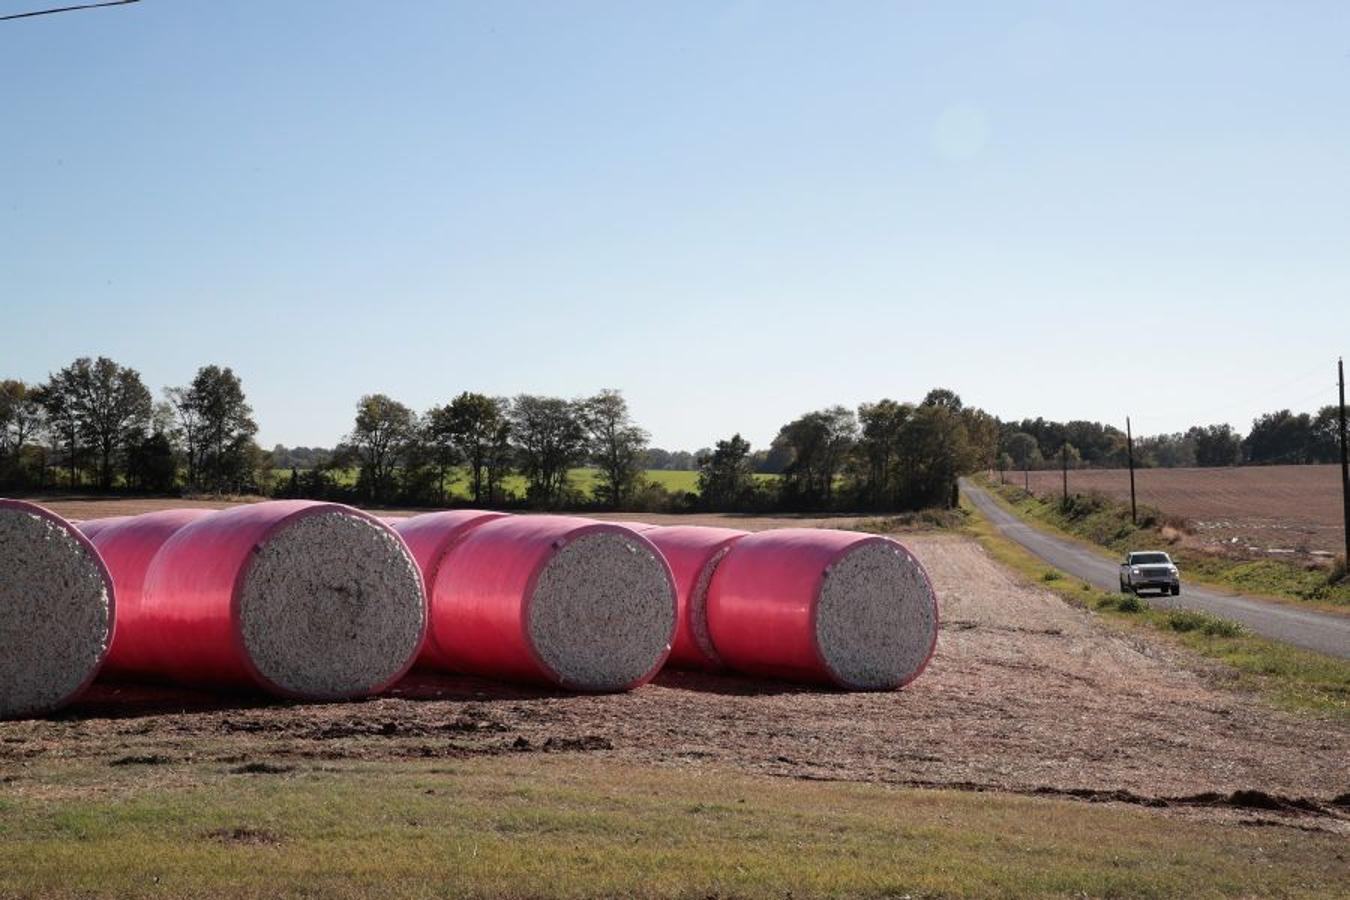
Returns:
(1322,632)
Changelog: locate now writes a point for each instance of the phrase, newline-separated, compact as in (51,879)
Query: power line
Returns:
(61,9)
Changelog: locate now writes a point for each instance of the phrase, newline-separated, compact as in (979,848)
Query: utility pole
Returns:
(1026,480)
(1129,448)
(1345,459)
(1064,467)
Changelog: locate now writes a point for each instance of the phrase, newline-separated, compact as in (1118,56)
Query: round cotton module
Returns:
(300,598)
(693,553)
(567,601)
(127,545)
(853,610)
(430,537)
(57,610)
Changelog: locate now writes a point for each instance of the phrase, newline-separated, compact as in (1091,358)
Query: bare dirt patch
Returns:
(1270,510)
(239,835)
(1026,694)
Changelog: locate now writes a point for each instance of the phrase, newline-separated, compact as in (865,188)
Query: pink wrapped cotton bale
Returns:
(430,538)
(57,610)
(302,599)
(567,601)
(693,553)
(127,545)
(853,610)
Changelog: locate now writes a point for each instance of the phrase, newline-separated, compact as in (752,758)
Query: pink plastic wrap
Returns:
(430,537)
(484,588)
(693,553)
(193,590)
(762,604)
(128,544)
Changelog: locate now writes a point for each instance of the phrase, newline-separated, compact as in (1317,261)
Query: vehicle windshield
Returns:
(1144,559)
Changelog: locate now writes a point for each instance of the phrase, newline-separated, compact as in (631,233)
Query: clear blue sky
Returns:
(734,212)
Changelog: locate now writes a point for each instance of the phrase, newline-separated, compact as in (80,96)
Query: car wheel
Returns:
(1123,588)
(1176,590)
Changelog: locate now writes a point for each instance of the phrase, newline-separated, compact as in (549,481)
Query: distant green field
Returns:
(584,479)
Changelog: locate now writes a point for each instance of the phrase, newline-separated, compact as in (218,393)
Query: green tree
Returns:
(618,447)
(549,439)
(1325,438)
(20,421)
(114,408)
(479,430)
(935,450)
(878,450)
(941,397)
(1281,437)
(382,432)
(60,401)
(188,429)
(724,476)
(1023,449)
(983,432)
(215,425)
(438,438)
(151,463)
(1216,445)
(1005,462)
(820,443)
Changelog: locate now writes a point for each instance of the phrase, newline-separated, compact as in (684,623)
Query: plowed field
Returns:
(1266,509)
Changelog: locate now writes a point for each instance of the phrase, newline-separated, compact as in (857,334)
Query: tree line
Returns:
(1281,437)
(403,455)
(94,424)
(884,455)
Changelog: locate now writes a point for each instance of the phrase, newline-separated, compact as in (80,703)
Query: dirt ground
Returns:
(1270,510)
(1025,694)
(95,507)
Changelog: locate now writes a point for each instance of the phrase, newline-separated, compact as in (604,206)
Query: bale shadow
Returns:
(730,685)
(134,699)
(126,699)
(420,686)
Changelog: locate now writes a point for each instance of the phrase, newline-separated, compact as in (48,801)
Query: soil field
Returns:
(1259,509)
(1026,694)
(94,507)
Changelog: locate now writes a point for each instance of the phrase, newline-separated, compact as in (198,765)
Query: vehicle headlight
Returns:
(1172,569)
(1134,570)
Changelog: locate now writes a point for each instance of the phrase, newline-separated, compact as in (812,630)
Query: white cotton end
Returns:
(602,612)
(55,613)
(876,617)
(331,606)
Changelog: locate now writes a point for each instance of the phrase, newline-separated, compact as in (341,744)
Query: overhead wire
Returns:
(61,9)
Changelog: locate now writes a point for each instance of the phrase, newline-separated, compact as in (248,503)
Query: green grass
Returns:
(522,826)
(1194,620)
(1100,520)
(1291,678)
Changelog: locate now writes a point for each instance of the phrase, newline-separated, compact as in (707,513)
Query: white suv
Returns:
(1152,569)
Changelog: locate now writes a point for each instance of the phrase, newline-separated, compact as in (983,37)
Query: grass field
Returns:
(583,479)
(569,826)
